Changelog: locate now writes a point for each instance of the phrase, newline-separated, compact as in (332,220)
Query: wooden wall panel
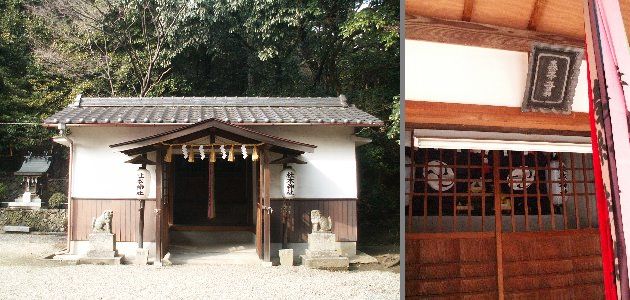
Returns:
(124,223)
(537,265)
(342,211)
(563,264)
(457,267)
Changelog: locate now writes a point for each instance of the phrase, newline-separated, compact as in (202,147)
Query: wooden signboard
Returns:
(552,77)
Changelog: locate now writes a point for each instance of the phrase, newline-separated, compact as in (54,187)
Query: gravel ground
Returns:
(27,249)
(31,277)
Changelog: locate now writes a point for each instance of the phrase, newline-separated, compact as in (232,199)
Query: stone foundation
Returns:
(125,249)
(345,248)
(102,250)
(322,253)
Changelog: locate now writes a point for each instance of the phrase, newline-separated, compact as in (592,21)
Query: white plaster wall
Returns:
(100,172)
(472,75)
(331,170)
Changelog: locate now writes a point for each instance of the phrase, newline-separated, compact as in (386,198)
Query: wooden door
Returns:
(494,224)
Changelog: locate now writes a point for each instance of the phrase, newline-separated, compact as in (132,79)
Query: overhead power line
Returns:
(20,123)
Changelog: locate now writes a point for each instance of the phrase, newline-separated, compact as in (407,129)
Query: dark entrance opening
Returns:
(234,204)
(181,189)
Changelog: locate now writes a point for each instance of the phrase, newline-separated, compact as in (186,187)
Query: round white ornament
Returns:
(432,173)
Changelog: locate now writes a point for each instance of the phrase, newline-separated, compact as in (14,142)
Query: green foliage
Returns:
(57,200)
(379,187)
(54,186)
(28,92)
(128,46)
(3,191)
(10,188)
(394,129)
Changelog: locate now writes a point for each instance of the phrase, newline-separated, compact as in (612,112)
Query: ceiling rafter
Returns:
(468,9)
(480,35)
(534,17)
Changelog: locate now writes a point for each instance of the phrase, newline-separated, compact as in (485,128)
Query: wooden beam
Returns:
(453,116)
(468,9)
(555,233)
(480,35)
(449,235)
(534,17)
(204,128)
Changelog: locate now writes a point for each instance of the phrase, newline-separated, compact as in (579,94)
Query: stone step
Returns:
(178,258)
(229,248)
(202,238)
(15,228)
(326,263)
(100,260)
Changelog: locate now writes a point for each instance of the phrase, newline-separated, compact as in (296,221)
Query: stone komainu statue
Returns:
(103,223)
(320,223)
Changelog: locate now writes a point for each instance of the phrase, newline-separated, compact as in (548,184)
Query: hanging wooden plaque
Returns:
(552,77)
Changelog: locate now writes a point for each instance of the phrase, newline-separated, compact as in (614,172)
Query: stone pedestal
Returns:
(322,252)
(102,250)
(286,257)
(142,257)
(27,200)
(322,241)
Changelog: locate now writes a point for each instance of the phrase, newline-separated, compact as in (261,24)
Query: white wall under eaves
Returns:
(100,172)
(472,75)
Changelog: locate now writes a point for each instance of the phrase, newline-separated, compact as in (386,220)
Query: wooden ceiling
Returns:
(558,17)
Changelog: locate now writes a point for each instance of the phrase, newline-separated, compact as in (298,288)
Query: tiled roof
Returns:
(237,110)
(34,165)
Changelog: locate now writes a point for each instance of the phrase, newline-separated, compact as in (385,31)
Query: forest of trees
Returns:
(52,50)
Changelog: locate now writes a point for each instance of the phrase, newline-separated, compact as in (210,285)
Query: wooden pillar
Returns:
(267,205)
(412,183)
(259,207)
(498,225)
(211,204)
(284,217)
(141,224)
(169,193)
(70,206)
(254,195)
(159,209)
(141,212)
